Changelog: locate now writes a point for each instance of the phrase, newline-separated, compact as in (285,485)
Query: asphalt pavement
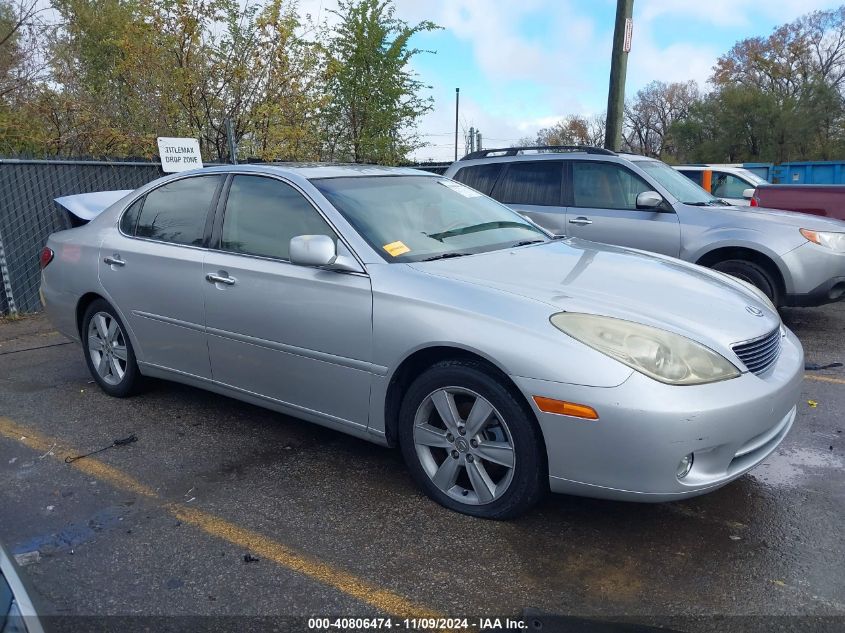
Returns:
(221,509)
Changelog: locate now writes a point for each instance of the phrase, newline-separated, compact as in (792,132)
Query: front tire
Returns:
(108,351)
(752,273)
(470,443)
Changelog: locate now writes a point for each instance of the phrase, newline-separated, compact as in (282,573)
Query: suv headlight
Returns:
(664,356)
(828,239)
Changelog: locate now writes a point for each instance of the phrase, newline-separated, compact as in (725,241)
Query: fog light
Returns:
(685,465)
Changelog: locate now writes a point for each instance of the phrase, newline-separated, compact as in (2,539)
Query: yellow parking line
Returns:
(386,601)
(53,447)
(836,381)
(382,599)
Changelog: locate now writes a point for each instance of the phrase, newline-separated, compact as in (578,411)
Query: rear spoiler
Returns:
(87,206)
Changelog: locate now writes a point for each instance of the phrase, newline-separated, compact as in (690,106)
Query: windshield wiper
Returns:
(527,242)
(476,228)
(716,202)
(445,256)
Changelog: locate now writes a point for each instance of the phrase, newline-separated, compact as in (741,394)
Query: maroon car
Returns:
(827,200)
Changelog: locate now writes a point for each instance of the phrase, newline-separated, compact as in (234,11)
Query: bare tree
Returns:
(650,115)
(21,60)
(824,41)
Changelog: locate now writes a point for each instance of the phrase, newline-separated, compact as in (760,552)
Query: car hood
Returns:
(575,275)
(770,216)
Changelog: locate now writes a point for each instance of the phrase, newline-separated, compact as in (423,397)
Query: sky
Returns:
(524,64)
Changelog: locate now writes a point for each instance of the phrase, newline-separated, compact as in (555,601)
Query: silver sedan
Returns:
(407,309)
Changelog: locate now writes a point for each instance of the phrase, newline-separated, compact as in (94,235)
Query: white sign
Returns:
(179,154)
(629,32)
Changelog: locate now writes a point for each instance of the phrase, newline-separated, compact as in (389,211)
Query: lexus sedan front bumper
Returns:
(646,428)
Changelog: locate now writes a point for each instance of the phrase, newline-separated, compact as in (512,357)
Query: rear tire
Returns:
(752,273)
(482,456)
(108,351)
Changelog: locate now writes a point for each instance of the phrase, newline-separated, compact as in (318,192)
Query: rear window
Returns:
(130,217)
(532,183)
(176,212)
(480,177)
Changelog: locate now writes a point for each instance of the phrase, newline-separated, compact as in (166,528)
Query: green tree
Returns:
(22,68)
(774,98)
(126,71)
(375,98)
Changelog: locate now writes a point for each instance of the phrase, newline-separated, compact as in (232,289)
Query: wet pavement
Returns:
(160,527)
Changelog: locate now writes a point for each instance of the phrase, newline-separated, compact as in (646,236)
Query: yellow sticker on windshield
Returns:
(395,249)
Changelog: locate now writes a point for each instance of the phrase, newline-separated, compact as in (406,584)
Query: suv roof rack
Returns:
(513,151)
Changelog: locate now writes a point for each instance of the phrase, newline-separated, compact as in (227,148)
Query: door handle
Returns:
(114,260)
(220,279)
(582,220)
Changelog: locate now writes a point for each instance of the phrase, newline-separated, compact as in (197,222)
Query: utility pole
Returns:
(618,69)
(457,102)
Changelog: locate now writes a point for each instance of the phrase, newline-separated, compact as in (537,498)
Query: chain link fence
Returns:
(29,213)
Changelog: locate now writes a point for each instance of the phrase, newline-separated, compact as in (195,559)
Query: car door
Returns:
(152,272)
(297,335)
(535,190)
(603,208)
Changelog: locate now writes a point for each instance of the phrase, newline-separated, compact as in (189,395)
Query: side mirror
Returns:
(748,193)
(319,251)
(649,200)
(312,250)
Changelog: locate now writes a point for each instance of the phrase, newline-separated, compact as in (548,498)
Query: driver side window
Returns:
(727,185)
(263,214)
(605,186)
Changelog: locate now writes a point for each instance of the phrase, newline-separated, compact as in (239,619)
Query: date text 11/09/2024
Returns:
(415,624)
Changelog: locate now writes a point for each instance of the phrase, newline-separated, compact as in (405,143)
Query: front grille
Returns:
(760,353)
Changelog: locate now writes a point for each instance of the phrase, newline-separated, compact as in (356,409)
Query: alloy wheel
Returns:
(107,348)
(464,445)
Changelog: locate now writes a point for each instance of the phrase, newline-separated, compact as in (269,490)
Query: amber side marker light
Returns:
(561,407)
(811,235)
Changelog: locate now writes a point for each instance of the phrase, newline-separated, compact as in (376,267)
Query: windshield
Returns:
(416,218)
(676,183)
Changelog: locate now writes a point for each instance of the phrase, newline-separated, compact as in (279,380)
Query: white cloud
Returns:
(502,55)
(681,61)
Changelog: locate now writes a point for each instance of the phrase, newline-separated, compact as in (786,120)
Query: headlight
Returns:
(828,239)
(757,292)
(664,356)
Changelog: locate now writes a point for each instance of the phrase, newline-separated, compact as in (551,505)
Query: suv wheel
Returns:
(470,444)
(752,273)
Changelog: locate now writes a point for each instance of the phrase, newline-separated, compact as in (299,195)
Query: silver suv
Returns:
(640,202)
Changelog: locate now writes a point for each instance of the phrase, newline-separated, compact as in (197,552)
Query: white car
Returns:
(731,183)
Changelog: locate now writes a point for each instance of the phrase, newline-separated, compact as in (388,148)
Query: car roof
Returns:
(573,153)
(702,167)
(319,170)
(466,162)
